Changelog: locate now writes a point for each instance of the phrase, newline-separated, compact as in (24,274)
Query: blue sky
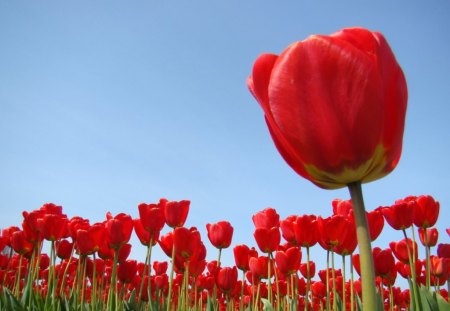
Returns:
(107,104)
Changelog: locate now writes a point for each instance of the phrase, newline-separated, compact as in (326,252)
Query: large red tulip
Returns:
(335,106)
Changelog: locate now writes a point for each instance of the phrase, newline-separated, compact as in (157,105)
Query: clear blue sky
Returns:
(106,104)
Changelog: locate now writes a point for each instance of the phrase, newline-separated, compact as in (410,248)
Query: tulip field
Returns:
(335,107)
(88,266)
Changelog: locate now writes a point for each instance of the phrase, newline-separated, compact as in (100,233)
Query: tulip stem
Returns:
(369,296)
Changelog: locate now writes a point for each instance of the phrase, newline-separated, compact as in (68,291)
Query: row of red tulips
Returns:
(93,269)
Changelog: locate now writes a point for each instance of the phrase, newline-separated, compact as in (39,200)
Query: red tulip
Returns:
(287,229)
(176,213)
(426,211)
(75,224)
(266,218)
(143,235)
(64,249)
(432,235)
(152,215)
(342,207)
(54,226)
(304,269)
(220,234)
(375,221)
(259,266)
(439,266)
(384,261)
(51,208)
(267,239)
(88,241)
(127,271)
(443,250)
(333,231)
(160,267)
(400,249)
(186,241)
(226,279)
(349,242)
(20,243)
(288,262)
(118,230)
(400,215)
(335,106)
(318,289)
(405,270)
(305,229)
(242,254)
(166,243)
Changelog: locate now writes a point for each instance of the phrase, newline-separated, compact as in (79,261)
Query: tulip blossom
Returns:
(304,269)
(118,230)
(152,216)
(335,106)
(426,211)
(20,243)
(287,229)
(127,271)
(376,223)
(305,230)
(176,213)
(220,234)
(266,218)
(288,262)
(242,254)
(267,239)
(226,279)
(400,215)
(429,236)
(401,249)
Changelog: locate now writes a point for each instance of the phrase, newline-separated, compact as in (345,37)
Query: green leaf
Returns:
(426,299)
(443,305)
(209,305)
(267,305)
(12,302)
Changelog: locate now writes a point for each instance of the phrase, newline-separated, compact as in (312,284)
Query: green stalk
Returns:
(256,304)
(276,281)
(391,298)
(352,289)
(169,295)
(112,294)
(308,279)
(333,275)
(327,275)
(344,300)
(241,301)
(369,296)
(63,283)
(412,267)
(19,271)
(269,286)
(427,263)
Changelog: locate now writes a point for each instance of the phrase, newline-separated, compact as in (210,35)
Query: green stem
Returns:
(365,249)
(412,268)
(352,289)
(327,276)
(427,263)
(344,300)
(169,295)
(308,279)
(333,275)
(241,300)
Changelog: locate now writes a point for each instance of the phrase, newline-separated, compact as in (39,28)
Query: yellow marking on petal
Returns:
(373,169)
